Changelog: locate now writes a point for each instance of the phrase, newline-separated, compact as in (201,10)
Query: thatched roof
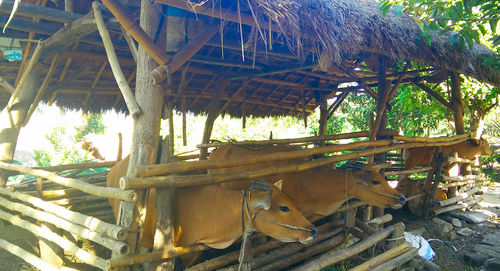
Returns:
(321,45)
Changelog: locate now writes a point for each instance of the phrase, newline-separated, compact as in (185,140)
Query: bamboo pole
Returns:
(47,234)
(108,192)
(458,198)
(289,250)
(126,20)
(380,220)
(382,258)
(448,208)
(413,197)
(153,256)
(42,89)
(431,139)
(303,255)
(211,178)
(111,230)
(30,258)
(161,169)
(327,260)
(407,172)
(78,166)
(398,261)
(128,96)
(27,71)
(116,246)
(6,85)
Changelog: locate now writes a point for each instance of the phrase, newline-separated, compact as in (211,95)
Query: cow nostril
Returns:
(402,199)
(314,232)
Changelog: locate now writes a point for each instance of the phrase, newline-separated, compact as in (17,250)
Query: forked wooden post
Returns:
(428,182)
(438,177)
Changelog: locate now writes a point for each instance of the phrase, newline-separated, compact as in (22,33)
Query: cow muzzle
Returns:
(402,201)
(313,235)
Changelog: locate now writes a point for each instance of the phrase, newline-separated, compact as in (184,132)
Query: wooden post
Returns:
(428,182)
(397,238)
(457,103)
(437,179)
(146,126)
(213,112)
(323,117)
(13,119)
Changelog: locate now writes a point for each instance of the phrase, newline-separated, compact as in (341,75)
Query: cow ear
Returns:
(364,177)
(473,142)
(261,199)
(279,185)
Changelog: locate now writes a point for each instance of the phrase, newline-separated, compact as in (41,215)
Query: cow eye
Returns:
(284,209)
(375,182)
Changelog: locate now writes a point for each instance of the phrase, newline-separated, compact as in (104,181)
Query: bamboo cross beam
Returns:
(78,166)
(461,137)
(6,85)
(114,231)
(127,22)
(407,172)
(30,258)
(116,246)
(398,261)
(45,233)
(161,169)
(458,198)
(128,96)
(107,192)
(211,178)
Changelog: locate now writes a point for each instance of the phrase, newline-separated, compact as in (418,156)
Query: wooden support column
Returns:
(146,126)
(12,119)
(380,121)
(213,112)
(323,117)
(457,103)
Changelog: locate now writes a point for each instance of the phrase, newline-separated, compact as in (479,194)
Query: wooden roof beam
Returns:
(69,34)
(431,92)
(31,10)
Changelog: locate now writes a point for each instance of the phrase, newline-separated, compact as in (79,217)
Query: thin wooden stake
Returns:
(128,96)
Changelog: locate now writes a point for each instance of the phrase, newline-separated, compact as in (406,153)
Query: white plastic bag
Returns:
(417,241)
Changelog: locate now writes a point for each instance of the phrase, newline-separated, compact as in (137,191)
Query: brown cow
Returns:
(211,215)
(411,187)
(321,191)
(421,156)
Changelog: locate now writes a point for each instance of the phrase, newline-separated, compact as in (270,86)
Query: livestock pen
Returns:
(240,58)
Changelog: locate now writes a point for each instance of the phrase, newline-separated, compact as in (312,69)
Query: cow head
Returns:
(369,186)
(282,220)
(483,145)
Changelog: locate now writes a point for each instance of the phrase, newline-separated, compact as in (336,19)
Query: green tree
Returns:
(471,20)
(92,123)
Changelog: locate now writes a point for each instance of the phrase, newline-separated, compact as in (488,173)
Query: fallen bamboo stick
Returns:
(286,250)
(211,178)
(303,255)
(169,168)
(117,247)
(30,258)
(416,196)
(461,178)
(380,220)
(152,256)
(107,192)
(382,258)
(128,96)
(454,184)
(78,166)
(47,234)
(458,198)
(448,208)
(398,261)
(231,257)
(111,230)
(327,260)
(407,172)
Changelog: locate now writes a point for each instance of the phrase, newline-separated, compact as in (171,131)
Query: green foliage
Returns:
(472,20)
(92,123)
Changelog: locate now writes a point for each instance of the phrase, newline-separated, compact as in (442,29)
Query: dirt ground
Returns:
(450,250)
